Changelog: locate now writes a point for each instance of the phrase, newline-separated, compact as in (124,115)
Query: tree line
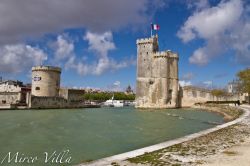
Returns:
(243,84)
(103,96)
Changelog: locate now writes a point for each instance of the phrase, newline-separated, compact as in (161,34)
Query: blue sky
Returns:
(95,42)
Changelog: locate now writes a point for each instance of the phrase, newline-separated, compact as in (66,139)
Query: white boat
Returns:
(114,103)
(129,103)
(118,103)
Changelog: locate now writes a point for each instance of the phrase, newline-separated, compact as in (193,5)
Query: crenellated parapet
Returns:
(160,54)
(165,54)
(46,68)
(147,40)
(173,55)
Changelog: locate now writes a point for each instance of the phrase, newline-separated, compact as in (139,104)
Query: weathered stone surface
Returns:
(157,76)
(158,80)
(45,81)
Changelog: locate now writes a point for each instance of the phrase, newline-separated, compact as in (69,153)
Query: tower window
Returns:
(37,88)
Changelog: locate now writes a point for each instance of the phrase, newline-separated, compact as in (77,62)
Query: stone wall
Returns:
(48,102)
(72,95)
(53,102)
(10,97)
(191,95)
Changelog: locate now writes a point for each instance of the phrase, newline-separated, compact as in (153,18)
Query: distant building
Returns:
(232,87)
(13,92)
(129,90)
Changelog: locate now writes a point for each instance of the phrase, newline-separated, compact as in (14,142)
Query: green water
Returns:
(91,134)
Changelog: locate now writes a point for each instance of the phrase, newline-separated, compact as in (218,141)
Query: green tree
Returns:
(244,81)
(102,96)
(218,93)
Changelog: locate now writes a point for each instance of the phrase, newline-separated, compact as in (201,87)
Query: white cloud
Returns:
(117,83)
(29,18)
(198,4)
(185,83)
(188,76)
(116,86)
(19,57)
(63,48)
(79,66)
(211,21)
(208,83)
(223,27)
(100,44)
(199,57)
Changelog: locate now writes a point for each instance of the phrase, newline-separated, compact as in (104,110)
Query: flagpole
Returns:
(151,29)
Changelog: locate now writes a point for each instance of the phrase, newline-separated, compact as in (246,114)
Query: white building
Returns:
(232,87)
(13,92)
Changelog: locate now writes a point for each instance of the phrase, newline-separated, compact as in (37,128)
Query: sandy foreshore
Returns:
(236,155)
(207,149)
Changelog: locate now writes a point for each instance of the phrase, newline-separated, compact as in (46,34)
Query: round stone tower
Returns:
(45,81)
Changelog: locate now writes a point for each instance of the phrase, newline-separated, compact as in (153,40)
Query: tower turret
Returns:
(145,49)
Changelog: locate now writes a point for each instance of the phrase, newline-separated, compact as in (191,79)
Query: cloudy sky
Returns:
(94,41)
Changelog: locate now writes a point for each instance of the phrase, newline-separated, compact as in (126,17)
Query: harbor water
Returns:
(94,133)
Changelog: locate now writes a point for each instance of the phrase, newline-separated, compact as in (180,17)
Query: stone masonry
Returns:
(46,81)
(157,76)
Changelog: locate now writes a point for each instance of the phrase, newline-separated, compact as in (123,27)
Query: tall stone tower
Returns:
(45,81)
(157,76)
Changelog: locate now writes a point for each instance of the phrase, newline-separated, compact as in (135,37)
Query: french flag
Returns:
(155,27)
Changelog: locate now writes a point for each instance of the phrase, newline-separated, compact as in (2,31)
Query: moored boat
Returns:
(113,103)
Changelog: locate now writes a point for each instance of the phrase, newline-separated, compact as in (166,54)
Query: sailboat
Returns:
(114,103)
